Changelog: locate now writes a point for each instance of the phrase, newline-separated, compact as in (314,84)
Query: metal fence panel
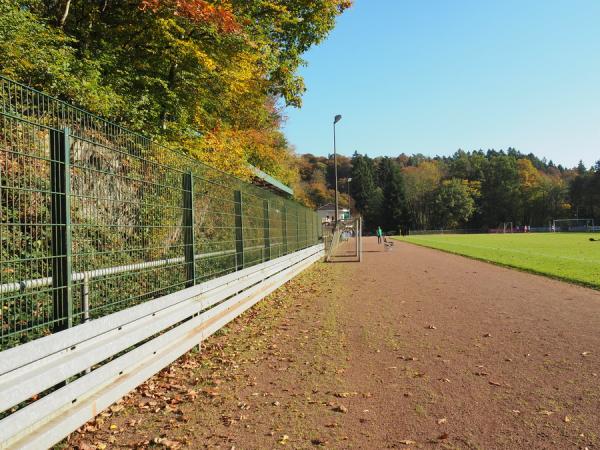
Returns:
(95,218)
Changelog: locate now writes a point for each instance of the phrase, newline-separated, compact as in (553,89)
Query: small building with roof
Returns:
(326,212)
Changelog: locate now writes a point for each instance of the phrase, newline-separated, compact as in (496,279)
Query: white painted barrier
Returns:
(189,315)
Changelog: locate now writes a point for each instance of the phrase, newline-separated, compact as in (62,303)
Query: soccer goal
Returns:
(507,227)
(573,225)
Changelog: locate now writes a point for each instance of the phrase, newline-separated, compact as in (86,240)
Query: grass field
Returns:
(567,256)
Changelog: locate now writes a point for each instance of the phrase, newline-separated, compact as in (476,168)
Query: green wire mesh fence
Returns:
(96,218)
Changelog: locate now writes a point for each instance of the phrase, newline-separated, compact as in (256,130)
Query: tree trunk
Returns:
(163,114)
(65,14)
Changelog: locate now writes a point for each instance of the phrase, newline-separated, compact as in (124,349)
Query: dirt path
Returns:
(413,348)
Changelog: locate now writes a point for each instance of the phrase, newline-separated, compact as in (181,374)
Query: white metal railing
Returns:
(87,276)
(105,271)
(141,341)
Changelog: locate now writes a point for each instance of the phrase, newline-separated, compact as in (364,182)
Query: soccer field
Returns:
(568,256)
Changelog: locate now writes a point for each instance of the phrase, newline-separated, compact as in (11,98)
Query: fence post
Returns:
(306,225)
(319,228)
(62,270)
(306,229)
(284,240)
(357,238)
(360,242)
(239,230)
(297,228)
(188,229)
(267,230)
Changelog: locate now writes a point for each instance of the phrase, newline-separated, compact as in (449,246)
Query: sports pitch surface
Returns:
(566,256)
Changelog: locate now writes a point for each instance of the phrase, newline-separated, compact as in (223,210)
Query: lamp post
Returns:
(349,179)
(336,119)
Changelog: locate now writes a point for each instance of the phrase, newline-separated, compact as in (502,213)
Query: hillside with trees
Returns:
(206,76)
(475,190)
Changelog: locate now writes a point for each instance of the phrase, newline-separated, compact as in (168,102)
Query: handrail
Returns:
(90,274)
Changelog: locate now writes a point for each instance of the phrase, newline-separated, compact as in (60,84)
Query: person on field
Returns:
(379,235)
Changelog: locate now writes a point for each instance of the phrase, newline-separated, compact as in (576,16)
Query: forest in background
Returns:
(477,190)
(207,76)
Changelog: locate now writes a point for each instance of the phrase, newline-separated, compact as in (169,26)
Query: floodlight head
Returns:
(349,179)
(337,118)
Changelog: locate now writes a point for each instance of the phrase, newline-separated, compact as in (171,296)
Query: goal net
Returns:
(573,225)
(507,227)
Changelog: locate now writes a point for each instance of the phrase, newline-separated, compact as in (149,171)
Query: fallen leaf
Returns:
(567,419)
(341,408)
(443,436)
(493,383)
(408,442)
(442,420)
(117,408)
(545,412)
(586,353)
(345,394)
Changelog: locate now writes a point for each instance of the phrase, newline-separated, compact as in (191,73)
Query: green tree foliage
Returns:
(421,181)
(366,194)
(584,192)
(453,204)
(41,55)
(501,190)
(205,75)
(393,205)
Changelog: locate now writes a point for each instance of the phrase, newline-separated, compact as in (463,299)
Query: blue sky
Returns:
(432,76)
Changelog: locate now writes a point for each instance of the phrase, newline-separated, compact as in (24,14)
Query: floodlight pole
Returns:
(336,119)
(349,179)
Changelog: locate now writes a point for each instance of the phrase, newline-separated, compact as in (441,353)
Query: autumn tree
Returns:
(203,75)
(420,181)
